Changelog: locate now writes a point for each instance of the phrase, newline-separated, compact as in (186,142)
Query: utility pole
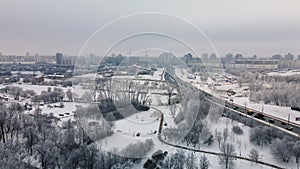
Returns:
(289,120)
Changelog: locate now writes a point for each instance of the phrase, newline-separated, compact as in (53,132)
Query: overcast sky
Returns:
(262,27)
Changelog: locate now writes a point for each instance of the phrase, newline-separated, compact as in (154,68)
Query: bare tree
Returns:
(69,95)
(3,117)
(47,152)
(296,150)
(225,134)
(219,137)
(227,150)
(15,91)
(254,155)
(282,149)
(173,110)
(204,162)
(190,161)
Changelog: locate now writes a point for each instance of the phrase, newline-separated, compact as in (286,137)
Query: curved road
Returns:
(204,151)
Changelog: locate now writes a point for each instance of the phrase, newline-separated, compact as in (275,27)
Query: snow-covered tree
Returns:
(254,154)
(191,161)
(282,149)
(225,134)
(226,159)
(219,138)
(204,162)
(296,150)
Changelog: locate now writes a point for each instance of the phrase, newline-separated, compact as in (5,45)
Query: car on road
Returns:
(283,123)
(250,112)
(290,128)
(259,116)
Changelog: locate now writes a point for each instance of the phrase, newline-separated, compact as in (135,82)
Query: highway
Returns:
(288,127)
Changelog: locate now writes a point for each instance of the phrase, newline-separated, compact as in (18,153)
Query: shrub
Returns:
(237,130)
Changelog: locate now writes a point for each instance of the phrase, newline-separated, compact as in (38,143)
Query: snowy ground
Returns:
(126,130)
(39,88)
(156,76)
(285,73)
(65,113)
(145,123)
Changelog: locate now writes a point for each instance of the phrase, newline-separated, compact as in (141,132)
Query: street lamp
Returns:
(289,120)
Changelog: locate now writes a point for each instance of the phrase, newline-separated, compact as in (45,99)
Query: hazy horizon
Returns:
(262,27)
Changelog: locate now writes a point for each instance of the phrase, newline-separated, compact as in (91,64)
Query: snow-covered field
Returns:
(126,130)
(65,113)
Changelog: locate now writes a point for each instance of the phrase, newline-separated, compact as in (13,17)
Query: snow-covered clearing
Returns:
(137,127)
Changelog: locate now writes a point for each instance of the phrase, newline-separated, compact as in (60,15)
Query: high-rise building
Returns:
(289,56)
(37,58)
(59,58)
(298,57)
(238,57)
(187,58)
(229,57)
(168,58)
(277,57)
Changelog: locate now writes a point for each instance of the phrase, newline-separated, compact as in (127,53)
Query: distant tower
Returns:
(187,58)
(59,58)
(27,54)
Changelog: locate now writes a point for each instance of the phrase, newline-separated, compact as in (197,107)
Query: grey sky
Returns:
(260,27)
